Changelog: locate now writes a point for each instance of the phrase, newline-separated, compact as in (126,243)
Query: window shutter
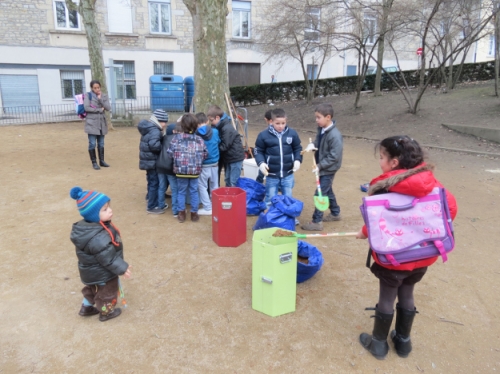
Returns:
(120,16)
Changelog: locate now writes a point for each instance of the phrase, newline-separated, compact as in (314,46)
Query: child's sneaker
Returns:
(312,226)
(165,207)
(155,211)
(331,218)
(115,313)
(204,212)
(176,214)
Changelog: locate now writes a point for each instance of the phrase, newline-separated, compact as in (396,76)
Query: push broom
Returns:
(285,233)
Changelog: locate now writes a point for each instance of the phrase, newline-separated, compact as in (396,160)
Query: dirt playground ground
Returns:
(189,301)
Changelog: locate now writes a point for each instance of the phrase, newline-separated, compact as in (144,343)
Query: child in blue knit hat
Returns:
(99,249)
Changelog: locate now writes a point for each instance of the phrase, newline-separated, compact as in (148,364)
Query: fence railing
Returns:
(124,109)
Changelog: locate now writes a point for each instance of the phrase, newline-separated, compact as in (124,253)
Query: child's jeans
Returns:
(172,180)
(325,182)
(207,173)
(232,172)
(153,184)
(185,186)
(274,185)
(162,188)
(103,295)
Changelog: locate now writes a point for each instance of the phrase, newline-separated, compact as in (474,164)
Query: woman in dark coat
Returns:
(95,104)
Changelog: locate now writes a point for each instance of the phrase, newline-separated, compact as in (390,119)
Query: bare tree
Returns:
(299,30)
(209,44)
(430,15)
(386,10)
(86,9)
(496,17)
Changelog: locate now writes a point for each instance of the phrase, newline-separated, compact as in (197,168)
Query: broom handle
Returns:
(327,235)
(318,185)
(230,111)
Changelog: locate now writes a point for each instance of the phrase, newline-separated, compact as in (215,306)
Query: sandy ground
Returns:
(189,301)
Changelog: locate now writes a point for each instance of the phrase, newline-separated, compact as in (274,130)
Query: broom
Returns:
(284,233)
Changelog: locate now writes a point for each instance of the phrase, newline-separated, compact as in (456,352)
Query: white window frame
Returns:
(66,16)
(370,24)
(158,4)
(72,79)
(491,45)
(240,8)
(162,64)
(311,29)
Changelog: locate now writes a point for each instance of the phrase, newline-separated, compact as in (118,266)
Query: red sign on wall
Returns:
(419,51)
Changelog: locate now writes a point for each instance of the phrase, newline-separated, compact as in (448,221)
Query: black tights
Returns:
(388,295)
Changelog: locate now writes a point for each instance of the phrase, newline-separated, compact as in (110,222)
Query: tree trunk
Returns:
(86,9)
(386,8)
(497,48)
(209,45)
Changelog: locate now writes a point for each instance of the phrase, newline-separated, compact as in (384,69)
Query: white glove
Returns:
(264,169)
(310,147)
(316,169)
(296,166)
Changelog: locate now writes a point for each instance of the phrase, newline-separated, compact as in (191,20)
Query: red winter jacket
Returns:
(417,182)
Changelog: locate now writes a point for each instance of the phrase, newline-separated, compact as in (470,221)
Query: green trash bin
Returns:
(274,273)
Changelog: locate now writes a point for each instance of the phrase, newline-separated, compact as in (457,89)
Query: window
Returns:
(241,19)
(72,83)
(65,19)
(311,31)
(120,16)
(159,17)
(491,47)
(163,67)
(466,29)
(125,85)
(370,29)
(312,72)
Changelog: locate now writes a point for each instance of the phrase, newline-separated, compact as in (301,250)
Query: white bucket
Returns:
(250,168)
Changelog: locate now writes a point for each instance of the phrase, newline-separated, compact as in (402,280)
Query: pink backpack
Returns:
(403,228)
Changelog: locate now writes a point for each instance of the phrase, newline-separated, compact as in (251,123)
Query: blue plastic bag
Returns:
(281,213)
(255,195)
(315,261)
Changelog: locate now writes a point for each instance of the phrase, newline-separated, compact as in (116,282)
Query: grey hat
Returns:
(161,115)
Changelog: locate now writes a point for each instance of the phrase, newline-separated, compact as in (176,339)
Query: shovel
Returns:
(320,202)
(284,233)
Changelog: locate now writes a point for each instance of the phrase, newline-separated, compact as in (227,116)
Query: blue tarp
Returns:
(281,213)
(306,271)
(255,195)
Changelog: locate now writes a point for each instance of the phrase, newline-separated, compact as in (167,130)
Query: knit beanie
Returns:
(89,203)
(161,115)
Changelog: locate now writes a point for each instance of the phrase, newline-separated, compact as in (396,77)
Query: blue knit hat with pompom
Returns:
(89,203)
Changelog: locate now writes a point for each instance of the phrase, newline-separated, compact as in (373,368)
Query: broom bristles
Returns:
(282,233)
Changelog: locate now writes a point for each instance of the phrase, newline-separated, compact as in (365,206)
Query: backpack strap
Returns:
(369,258)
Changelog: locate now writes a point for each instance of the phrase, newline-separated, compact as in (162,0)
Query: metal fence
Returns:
(121,109)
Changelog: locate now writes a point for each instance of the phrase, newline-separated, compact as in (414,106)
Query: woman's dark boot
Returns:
(93,159)
(101,158)
(401,336)
(377,342)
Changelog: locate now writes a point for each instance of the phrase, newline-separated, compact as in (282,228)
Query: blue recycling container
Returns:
(189,91)
(167,92)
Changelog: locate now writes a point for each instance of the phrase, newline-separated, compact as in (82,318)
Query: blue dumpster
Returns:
(167,93)
(189,90)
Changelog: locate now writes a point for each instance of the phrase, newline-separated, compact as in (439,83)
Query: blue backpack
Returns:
(79,107)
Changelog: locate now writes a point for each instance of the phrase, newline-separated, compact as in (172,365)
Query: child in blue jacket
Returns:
(277,152)
(210,167)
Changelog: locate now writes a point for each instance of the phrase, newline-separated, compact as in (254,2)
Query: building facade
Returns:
(44,58)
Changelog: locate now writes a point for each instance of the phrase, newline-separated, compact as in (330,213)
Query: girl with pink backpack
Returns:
(405,172)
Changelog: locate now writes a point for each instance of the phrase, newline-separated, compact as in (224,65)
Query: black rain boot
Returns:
(377,342)
(401,336)
(101,158)
(93,159)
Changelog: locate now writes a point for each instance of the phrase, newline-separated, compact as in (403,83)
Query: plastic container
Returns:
(250,168)
(229,217)
(167,93)
(189,92)
(274,273)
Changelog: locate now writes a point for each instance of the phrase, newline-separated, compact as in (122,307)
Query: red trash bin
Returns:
(229,216)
